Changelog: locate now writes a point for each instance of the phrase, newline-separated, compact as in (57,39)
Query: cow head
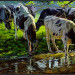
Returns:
(31,9)
(38,24)
(43,14)
(20,9)
(16,10)
(31,32)
(72,12)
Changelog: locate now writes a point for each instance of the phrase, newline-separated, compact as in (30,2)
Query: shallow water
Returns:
(31,65)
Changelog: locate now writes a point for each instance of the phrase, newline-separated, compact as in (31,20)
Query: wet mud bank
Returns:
(39,64)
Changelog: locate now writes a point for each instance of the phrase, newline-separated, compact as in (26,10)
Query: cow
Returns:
(59,28)
(25,22)
(31,9)
(5,15)
(59,12)
(71,14)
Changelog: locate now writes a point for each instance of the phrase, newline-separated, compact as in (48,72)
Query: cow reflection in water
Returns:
(40,65)
(30,65)
(52,63)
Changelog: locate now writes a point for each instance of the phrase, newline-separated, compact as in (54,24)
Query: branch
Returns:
(67,4)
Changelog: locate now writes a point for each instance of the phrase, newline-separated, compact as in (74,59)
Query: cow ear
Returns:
(17,9)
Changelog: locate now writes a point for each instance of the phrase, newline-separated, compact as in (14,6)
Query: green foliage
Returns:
(30,2)
(48,2)
(51,2)
(62,3)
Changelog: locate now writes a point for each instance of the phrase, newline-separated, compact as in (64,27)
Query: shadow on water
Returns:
(31,65)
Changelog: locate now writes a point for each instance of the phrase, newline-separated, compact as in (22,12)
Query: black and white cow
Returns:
(60,12)
(31,9)
(25,22)
(59,28)
(47,12)
(5,15)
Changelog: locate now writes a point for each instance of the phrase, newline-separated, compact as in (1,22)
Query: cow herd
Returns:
(59,24)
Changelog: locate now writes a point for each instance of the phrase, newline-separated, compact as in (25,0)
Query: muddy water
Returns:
(31,65)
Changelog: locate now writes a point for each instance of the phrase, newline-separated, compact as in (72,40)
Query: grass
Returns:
(9,47)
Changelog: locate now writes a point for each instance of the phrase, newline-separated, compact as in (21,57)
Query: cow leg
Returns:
(64,39)
(54,44)
(16,33)
(29,45)
(48,40)
(67,47)
(5,25)
(24,35)
(30,49)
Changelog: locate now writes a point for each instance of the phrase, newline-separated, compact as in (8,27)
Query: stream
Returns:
(31,65)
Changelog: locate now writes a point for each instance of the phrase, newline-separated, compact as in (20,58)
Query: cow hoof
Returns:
(16,38)
(25,39)
(33,52)
(63,50)
(30,54)
(50,52)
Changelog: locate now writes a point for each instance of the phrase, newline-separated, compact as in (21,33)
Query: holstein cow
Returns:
(26,22)
(59,28)
(60,12)
(31,10)
(5,15)
(49,11)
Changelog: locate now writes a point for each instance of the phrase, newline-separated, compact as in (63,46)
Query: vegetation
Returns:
(9,47)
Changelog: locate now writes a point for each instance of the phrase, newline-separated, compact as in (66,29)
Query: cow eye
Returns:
(17,9)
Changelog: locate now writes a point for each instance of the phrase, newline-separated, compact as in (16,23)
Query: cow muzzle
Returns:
(8,20)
